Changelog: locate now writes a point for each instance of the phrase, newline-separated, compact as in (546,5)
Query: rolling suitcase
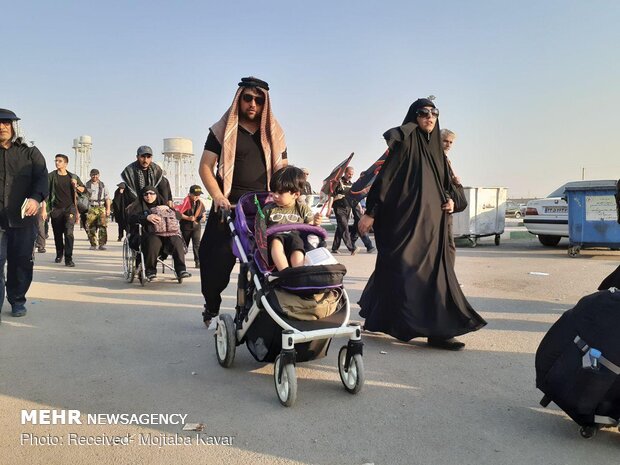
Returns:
(578,362)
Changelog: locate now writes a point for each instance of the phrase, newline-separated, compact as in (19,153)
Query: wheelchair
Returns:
(133,261)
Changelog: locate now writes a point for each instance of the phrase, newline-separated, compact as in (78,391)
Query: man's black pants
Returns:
(63,221)
(342,228)
(16,250)
(216,261)
(192,234)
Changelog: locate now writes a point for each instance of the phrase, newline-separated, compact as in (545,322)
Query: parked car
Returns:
(316,202)
(548,218)
(514,210)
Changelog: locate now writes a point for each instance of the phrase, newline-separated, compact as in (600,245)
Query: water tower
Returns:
(179,165)
(82,147)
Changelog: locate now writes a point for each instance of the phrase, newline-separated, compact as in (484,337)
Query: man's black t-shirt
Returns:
(250,172)
(64,193)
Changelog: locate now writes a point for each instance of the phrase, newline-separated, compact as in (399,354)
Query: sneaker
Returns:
(185,274)
(355,250)
(41,250)
(18,310)
(102,247)
(371,250)
(58,260)
(151,276)
(196,264)
(335,252)
(120,239)
(207,316)
(93,247)
(447,344)
(70,264)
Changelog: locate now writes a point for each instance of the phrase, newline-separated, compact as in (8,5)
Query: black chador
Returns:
(413,291)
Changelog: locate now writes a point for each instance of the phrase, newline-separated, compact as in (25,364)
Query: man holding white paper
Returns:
(23,186)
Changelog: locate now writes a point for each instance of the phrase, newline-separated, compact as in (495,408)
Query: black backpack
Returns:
(578,362)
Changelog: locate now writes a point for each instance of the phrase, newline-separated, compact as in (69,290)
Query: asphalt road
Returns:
(94,343)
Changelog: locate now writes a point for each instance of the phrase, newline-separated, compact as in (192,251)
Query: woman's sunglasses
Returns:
(148,193)
(248,98)
(426,112)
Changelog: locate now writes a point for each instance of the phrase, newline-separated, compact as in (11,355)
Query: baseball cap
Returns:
(94,171)
(144,149)
(195,190)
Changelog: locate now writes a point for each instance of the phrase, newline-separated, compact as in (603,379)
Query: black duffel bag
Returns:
(578,360)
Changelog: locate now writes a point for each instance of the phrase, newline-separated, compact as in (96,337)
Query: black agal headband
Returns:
(253,82)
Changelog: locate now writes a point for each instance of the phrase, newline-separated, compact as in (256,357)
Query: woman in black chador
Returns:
(413,291)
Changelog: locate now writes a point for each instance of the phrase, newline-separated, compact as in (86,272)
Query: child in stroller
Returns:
(287,247)
(276,312)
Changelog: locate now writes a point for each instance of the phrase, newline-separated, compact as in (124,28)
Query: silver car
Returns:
(548,218)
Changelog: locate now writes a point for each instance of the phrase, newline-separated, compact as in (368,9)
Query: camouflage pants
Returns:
(96,225)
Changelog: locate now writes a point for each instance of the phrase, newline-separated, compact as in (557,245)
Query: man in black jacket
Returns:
(143,172)
(64,187)
(342,211)
(23,186)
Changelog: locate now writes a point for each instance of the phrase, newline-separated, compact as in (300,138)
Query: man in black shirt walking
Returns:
(245,146)
(23,186)
(63,188)
(342,211)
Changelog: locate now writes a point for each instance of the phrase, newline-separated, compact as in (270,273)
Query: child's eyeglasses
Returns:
(292,217)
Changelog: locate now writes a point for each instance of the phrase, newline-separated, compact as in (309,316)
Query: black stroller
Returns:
(271,331)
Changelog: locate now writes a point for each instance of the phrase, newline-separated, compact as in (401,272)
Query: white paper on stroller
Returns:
(320,256)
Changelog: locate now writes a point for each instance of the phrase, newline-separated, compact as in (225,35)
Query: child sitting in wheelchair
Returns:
(160,232)
(287,248)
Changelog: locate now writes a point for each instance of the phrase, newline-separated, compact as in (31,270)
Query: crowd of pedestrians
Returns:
(412,293)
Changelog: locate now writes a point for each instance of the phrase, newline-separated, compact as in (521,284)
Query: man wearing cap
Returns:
(143,172)
(242,151)
(64,187)
(191,212)
(118,208)
(98,211)
(23,186)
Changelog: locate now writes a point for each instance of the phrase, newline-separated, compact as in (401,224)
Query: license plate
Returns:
(556,210)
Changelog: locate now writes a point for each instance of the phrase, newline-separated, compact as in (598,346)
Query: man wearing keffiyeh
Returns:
(242,151)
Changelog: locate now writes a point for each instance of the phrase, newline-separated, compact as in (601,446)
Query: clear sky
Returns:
(532,88)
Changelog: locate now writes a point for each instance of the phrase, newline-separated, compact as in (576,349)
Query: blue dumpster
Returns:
(592,215)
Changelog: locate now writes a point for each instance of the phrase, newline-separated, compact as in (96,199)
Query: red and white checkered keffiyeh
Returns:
(271,134)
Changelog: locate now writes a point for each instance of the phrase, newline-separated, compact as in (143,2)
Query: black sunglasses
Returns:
(249,97)
(426,112)
(149,193)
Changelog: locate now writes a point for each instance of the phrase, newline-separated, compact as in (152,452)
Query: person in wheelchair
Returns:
(160,232)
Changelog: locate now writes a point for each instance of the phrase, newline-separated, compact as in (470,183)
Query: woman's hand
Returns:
(365,223)
(318,219)
(448,207)
(155,219)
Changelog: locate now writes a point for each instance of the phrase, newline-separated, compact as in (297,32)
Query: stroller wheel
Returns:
(352,376)
(225,340)
(285,380)
(588,432)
